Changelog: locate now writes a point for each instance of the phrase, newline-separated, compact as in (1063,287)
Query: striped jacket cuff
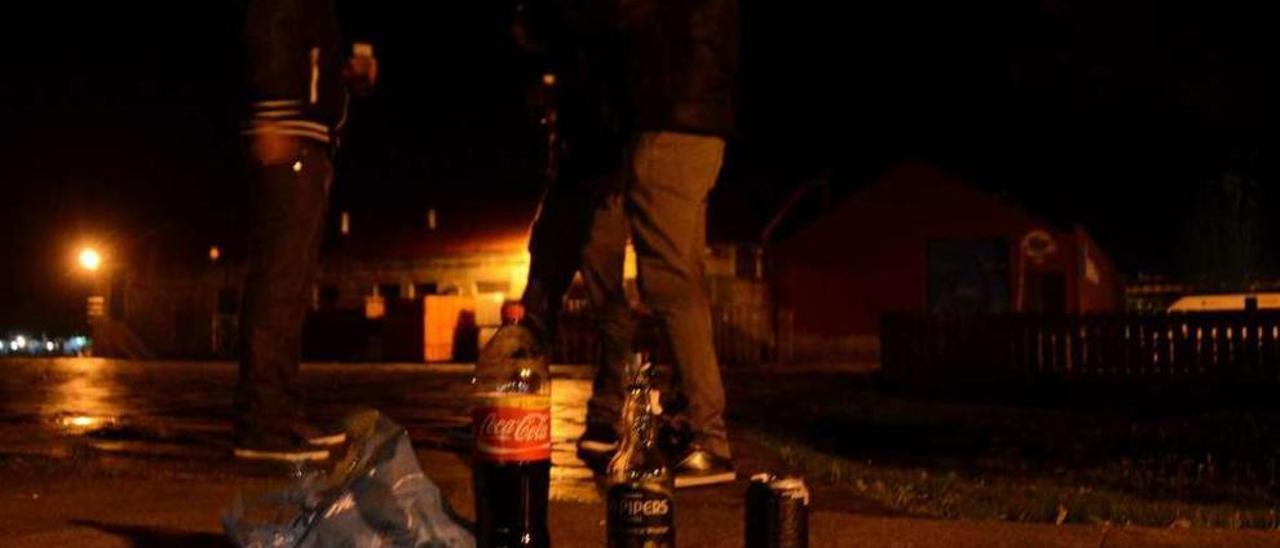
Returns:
(284,117)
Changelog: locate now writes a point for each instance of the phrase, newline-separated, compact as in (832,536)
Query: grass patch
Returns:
(951,494)
(1068,461)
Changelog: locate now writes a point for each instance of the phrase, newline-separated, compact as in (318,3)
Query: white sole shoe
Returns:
(326,440)
(312,455)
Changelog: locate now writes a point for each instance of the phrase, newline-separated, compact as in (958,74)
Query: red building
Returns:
(918,241)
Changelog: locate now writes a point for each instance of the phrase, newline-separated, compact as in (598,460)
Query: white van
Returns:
(1226,302)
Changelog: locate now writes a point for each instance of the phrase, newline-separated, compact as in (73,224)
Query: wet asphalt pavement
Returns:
(130,413)
(165,426)
(97,452)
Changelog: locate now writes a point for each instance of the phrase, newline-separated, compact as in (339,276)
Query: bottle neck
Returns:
(639,435)
(645,429)
(639,430)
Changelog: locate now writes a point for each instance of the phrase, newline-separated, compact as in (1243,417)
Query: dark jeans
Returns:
(287,220)
(660,203)
(555,248)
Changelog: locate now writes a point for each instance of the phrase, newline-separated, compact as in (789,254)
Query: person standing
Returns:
(647,102)
(298,79)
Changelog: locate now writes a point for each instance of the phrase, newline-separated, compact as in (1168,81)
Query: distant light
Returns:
(81,421)
(13,345)
(90,260)
(431,218)
(549,79)
(297,166)
(214,253)
(344,224)
(48,345)
(77,343)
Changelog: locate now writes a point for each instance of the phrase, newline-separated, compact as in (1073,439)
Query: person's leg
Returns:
(287,220)
(672,174)
(555,253)
(603,260)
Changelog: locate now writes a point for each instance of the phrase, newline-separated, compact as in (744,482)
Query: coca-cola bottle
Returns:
(512,422)
(641,505)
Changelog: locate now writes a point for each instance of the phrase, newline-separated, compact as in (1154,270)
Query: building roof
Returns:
(915,198)
(459,230)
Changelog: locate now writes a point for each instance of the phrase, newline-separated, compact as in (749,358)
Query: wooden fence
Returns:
(1239,348)
(742,335)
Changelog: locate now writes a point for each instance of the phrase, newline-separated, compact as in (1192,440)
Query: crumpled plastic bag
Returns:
(375,496)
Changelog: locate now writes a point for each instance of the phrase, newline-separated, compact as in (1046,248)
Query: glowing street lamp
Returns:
(90,260)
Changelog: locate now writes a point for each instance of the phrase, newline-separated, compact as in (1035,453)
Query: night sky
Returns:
(119,118)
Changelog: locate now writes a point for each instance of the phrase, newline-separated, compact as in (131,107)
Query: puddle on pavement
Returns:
(81,402)
(81,423)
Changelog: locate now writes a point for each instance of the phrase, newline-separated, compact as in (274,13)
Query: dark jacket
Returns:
(638,65)
(295,62)
(682,56)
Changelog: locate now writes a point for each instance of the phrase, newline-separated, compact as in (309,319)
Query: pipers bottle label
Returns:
(640,517)
(512,427)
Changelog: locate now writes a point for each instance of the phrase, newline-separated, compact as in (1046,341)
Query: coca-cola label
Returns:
(512,428)
(640,517)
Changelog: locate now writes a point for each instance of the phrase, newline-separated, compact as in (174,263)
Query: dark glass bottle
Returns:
(641,505)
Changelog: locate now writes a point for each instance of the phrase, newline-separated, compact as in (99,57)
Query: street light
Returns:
(95,305)
(90,260)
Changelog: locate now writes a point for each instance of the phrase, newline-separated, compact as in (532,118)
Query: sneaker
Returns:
(316,435)
(597,446)
(699,467)
(279,448)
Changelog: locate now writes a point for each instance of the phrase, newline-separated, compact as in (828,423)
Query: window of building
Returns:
(493,286)
(967,276)
(747,264)
(228,301)
(389,291)
(328,298)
